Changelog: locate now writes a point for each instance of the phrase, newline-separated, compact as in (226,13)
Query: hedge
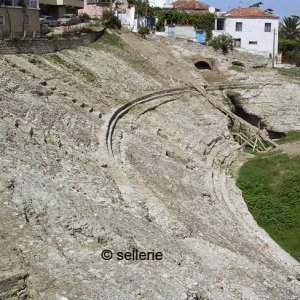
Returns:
(201,21)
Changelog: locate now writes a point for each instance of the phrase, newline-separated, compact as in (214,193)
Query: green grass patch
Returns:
(291,136)
(113,43)
(121,101)
(291,72)
(237,68)
(271,188)
(109,39)
(76,69)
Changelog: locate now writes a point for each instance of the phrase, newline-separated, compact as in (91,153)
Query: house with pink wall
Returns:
(94,8)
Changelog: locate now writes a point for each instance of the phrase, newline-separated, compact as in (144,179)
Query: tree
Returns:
(256,5)
(223,42)
(110,20)
(289,28)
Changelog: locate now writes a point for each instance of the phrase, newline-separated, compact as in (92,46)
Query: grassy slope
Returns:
(112,42)
(271,189)
(291,136)
(292,72)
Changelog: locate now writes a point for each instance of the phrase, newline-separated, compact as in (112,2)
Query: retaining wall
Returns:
(42,46)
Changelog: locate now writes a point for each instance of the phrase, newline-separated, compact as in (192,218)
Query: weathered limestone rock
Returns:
(64,199)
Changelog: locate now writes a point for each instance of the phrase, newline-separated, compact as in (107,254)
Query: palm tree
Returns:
(290,28)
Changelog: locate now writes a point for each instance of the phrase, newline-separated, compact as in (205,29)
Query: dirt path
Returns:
(292,149)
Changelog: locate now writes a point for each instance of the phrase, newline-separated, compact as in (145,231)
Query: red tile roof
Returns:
(190,5)
(249,13)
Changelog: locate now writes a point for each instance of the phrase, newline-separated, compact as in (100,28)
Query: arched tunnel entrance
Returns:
(202,65)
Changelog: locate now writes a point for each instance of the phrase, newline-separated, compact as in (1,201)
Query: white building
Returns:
(159,3)
(252,29)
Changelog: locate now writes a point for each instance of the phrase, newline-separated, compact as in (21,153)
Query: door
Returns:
(200,36)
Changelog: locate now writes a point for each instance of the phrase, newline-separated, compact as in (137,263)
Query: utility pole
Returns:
(146,13)
(273,56)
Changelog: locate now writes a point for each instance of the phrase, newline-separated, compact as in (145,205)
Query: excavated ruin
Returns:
(122,148)
(252,119)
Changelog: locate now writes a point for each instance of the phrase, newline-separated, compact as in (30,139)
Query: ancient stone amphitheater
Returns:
(120,148)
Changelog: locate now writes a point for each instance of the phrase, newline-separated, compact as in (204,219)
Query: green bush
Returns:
(159,26)
(110,20)
(288,45)
(203,21)
(297,59)
(291,49)
(237,63)
(293,57)
(223,42)
(143,31)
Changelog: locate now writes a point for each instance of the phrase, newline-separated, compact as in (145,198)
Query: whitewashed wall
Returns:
(253,30)
(182,31)
(127,19)
(185,32)
(157,3)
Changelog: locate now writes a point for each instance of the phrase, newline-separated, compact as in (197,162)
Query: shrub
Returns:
(143,31)
(237,63)
(291,49)
(159,26)
(288,45)
(84,17)
(223,42)
(293,57)
(297,59)
(110,20)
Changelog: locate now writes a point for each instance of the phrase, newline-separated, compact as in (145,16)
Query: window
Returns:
(268,27)
(252,43)
(237,43)
(26,20)
(238,26)
(2,20)
(220,24)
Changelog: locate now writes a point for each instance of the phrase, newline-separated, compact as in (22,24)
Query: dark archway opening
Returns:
(251,118)
(202,65)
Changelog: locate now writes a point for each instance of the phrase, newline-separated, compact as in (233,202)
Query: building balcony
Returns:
(72,3)
(31,4)
(99,2)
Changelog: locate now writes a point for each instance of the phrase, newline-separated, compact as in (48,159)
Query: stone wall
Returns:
(41,46)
